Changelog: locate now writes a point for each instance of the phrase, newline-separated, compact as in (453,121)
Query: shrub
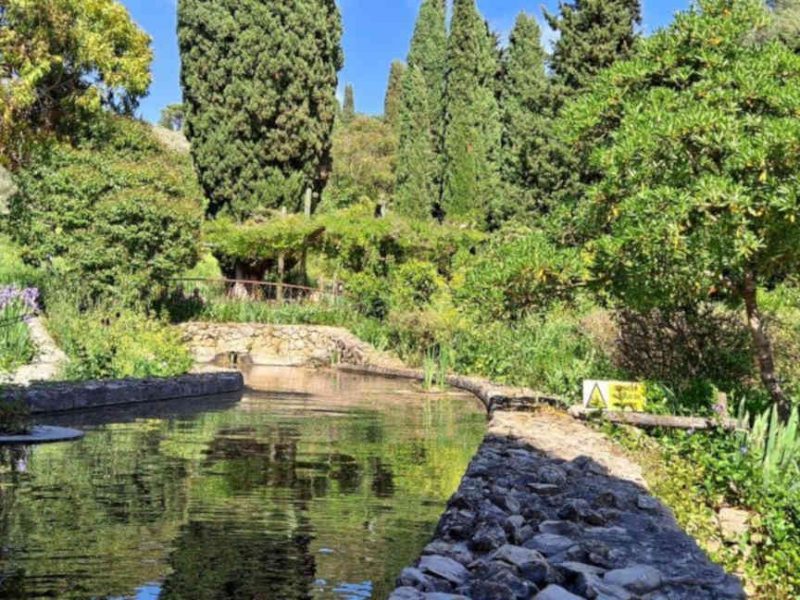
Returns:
(414,284)
(698,473)
(117,216)
(104,343)
(516,277)
(368,295)
(689,350)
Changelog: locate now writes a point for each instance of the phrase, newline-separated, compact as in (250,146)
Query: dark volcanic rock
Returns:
(523,526)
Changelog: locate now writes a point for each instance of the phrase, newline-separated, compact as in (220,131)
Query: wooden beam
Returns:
(649,421)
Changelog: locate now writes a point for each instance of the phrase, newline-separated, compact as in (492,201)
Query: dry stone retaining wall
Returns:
(284,345)
(44,398)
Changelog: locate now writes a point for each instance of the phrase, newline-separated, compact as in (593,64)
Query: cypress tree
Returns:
(473,129)
(394,91)
(349,106)
(259,82)
(593,34)
(415,194)
(428,53)
(525,109)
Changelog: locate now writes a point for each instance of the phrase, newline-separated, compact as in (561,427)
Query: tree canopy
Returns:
(525,110)
(473,129)
(62,61)
(259,82)
(694,148)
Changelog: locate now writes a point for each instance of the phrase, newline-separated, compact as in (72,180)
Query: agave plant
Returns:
(775,444)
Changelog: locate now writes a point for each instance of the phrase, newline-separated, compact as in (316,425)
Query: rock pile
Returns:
(525,526)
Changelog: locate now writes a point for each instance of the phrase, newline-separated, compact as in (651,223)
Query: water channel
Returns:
(310,485)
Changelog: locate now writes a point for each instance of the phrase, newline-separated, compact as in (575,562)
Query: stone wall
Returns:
(48,363)
(45,398)
(279,345)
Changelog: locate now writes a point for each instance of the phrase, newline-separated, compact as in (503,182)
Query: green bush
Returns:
(513,278)
(414,284)
(116,216)
(104,343)
(699,473)
(369,295)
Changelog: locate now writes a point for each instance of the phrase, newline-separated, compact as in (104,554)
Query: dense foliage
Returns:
(364,169)
(259,81)
(417,162)
(525,104)
(592,36)
(116,215)
(60,63)
(394,89)
(693,149)
(473,129)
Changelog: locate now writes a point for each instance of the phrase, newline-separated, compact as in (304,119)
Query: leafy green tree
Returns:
(428,53)
(694,147)
(363,163)
(525,108)
(61,63)
(593,34)
(473,130)
(391,104)
(173,117)
(118,216)
(416,157)
(349,105)
(259,82)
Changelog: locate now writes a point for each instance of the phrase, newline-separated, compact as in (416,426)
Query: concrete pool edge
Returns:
(68,396)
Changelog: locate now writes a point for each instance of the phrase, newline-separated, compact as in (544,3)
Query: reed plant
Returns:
(17,306)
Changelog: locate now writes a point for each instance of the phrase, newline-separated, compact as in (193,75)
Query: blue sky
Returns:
(376,32)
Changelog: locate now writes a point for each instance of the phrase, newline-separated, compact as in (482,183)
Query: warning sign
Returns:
(614,395)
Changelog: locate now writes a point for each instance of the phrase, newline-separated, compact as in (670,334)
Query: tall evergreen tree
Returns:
(349,105)
(415,194)
(473,131)
(428,53)
(525,108)
(259,81)
(593,34)
(394,91)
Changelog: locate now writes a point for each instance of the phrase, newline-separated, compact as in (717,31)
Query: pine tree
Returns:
(525,106)
(259,81)
(428,53)
(593,34)
(349,105)
(394,91)
(416,189)
(473,129)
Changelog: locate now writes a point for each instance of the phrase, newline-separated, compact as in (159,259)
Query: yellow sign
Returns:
(614,395)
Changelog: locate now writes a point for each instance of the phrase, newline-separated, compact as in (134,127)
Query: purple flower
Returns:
(26,299)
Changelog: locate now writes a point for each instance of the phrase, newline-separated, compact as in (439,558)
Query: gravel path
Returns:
(550,510)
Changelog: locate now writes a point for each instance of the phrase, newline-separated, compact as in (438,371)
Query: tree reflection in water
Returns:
(280,496)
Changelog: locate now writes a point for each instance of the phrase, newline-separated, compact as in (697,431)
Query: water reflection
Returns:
(316,486)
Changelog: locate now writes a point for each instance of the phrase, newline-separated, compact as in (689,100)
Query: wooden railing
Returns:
(265,291)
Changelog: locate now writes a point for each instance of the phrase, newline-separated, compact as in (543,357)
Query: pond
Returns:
(311,485)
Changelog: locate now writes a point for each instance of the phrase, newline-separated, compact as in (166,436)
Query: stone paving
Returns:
(550,510)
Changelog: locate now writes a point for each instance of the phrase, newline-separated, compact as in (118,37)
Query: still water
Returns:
(311,485)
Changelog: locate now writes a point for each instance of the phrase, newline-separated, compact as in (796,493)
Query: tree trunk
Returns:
(239,291)
(281,275)
(763,348)
(307,201)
